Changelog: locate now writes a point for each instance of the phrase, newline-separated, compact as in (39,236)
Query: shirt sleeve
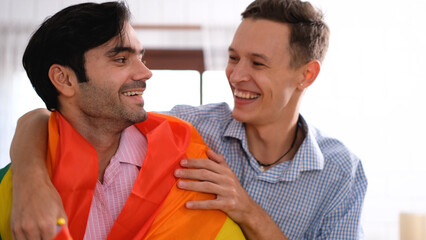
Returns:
(343,221)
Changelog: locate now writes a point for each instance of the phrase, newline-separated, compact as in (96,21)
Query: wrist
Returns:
(257,224)
(29,174)
(251,218)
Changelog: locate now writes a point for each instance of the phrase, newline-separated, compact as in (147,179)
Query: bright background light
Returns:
(370,92)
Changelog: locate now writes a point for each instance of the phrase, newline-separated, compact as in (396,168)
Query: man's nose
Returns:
(142,72)
(239,73)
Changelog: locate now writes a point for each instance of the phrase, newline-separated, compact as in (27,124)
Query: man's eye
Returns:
(232,58)
(258,64)
(120,60)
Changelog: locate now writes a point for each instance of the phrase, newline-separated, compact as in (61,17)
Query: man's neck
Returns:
(270,141)
(105,150)
(102,134)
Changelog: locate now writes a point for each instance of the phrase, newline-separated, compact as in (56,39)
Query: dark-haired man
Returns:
(282,177)
(111,162)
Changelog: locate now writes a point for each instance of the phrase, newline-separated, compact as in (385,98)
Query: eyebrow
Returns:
(119,49)
(263,56)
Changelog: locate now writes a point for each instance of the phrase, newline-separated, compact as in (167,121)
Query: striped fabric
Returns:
(317,195)
(111,195)
(155,207)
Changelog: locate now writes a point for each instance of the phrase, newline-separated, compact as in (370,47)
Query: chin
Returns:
(239,115)
(136,117)
(142,117)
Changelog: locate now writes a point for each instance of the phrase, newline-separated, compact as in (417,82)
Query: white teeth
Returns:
(132,93)
(245,95)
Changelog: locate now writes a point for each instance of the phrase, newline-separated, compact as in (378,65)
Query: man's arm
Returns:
(342,221)
(36,203)
(217,178)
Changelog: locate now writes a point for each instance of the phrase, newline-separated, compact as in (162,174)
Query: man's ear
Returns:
(63,78)
(310,73)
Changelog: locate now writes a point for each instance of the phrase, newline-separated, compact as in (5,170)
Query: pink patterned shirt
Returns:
(120,175)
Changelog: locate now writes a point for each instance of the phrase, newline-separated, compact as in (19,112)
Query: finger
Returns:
(215,156)
(201,163)
(48,230)
(33,235)
(18,234)
(204,187)
(50,234)
(27,231)
(199,174)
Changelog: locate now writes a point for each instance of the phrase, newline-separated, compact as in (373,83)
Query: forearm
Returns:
(36,205)
(29,144)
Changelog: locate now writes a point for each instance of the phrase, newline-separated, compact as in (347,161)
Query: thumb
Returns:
(215,156)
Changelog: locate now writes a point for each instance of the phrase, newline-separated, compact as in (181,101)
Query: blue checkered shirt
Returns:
(317,195)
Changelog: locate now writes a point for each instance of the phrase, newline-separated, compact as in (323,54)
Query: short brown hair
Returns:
(309,33)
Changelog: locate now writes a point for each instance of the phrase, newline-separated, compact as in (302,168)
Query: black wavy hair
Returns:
(65,37)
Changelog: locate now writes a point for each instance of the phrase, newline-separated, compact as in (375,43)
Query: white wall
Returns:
(370,92)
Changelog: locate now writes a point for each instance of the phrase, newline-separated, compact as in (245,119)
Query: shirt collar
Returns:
(132,148)
(235,129)
(307,158)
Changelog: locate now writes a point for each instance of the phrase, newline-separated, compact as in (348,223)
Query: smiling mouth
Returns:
(245,95)
(133,93)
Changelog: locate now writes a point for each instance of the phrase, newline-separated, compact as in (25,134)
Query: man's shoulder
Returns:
(209,112)
(335,152)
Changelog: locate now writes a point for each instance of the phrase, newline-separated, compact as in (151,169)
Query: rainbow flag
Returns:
(63,233)
(155,208)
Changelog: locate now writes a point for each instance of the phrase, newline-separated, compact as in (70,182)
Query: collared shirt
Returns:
(120,175)
(317,195)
